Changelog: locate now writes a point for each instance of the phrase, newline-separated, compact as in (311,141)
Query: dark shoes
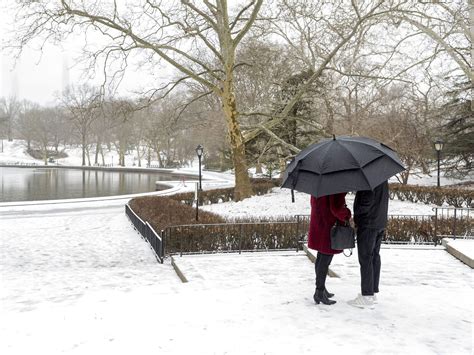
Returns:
(328,294)
(321,296)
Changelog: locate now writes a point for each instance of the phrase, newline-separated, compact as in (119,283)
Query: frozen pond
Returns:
(30,184)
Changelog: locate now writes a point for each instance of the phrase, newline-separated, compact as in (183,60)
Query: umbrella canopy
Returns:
(341,164)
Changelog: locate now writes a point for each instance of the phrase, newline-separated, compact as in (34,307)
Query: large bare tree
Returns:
(82,104)
(197,38)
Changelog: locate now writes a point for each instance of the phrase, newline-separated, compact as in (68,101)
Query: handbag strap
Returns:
(344,224)
(343,252)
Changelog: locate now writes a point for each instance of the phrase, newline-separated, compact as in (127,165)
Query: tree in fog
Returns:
(81,104)
(42,122)
(9,110)
(25,122)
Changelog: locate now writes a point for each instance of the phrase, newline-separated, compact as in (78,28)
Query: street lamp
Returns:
(438,145)
(199,151)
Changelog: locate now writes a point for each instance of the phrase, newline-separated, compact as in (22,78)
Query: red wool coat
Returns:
(325,211)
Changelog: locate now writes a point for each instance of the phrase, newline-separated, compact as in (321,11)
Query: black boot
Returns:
(328,294)
(320,296)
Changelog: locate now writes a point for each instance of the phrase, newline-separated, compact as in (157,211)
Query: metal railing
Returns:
(290,235)
(148,233)
(422,229)
(232,237)
(454,222)
(17,163)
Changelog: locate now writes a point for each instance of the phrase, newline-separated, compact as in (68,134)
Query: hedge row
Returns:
(456,197)
(162,212)
(188,235)
(231,237)
(207,197)
(426,230)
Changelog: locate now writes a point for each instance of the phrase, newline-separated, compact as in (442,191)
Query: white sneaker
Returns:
(362,301)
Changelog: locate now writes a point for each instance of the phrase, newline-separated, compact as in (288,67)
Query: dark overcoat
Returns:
(325,211)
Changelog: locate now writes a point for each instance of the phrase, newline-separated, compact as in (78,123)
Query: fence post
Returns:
(297,231)
(240,239)
(181,244)
(454,223)
(162,249)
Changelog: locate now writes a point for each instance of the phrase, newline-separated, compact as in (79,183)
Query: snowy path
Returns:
(425,304)
(80,280)
(60,257)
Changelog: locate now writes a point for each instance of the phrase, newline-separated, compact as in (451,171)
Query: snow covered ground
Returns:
(76,278)
(464,245)
(83,282)
(278,203)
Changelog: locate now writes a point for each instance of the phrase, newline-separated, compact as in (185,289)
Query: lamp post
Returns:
(438,145)
(199,151)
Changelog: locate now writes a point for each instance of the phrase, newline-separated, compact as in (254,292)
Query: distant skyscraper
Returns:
(9,78)
(65,72)
(15,87)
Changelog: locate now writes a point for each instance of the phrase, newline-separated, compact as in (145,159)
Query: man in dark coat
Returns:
(370,218)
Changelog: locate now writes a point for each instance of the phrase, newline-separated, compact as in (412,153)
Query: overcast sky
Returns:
(40,77)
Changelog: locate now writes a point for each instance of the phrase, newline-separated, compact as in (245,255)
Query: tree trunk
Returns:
(139,156)
(243,188)
(10,137)
(45,154)
(97,148)
(88,156)
(83,149)
(102,155)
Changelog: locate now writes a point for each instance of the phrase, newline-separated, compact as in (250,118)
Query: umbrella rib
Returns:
(365,177)
(368,162)
(353,157)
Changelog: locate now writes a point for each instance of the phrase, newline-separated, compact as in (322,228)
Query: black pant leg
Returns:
(365,250)
(377,261)
(322,266)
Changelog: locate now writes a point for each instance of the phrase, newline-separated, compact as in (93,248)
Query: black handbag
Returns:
(342,236)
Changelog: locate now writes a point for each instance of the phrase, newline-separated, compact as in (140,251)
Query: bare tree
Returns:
(446,24)
(9,109)
(82,103)
(187,35)
(42,123)
(316,32)
(25,122)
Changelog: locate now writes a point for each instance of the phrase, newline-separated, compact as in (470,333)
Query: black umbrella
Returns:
(341,164)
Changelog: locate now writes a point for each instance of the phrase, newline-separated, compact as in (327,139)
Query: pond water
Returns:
(31,184)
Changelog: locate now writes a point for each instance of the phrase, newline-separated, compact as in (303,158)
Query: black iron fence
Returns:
(232,237)
(290,235)
(148,233)
(454,222)
(422,229)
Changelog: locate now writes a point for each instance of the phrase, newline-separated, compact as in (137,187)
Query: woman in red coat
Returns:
(325,211)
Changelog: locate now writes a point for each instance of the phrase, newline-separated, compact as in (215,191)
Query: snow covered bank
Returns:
(278,203)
